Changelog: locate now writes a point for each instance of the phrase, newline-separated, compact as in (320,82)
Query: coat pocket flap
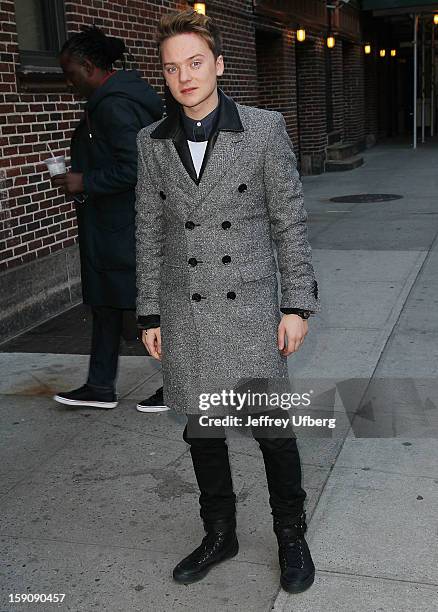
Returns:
(253,270)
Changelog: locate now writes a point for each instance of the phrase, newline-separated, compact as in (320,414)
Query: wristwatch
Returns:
(304,314)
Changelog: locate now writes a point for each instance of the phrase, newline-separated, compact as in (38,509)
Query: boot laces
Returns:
(291,554)
(210,543)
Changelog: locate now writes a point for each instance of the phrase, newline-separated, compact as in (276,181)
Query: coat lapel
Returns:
(223,149)
(222,159)
(173,169)
(173,165)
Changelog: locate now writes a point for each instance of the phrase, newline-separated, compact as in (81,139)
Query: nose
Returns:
(184,74)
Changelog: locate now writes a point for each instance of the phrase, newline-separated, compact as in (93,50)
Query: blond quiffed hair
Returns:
(189,21)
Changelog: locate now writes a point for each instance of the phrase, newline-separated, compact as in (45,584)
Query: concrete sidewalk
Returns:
(101,505)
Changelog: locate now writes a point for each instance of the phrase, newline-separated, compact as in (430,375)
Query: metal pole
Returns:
(415,77)
(423,81)
(432,88)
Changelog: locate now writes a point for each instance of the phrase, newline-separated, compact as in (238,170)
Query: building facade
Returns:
(328,96)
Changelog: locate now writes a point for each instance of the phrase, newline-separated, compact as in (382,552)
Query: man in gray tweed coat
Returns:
(217,185)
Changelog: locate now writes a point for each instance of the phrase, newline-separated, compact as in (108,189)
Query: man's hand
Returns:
(70,183)
(291,333)
(151,338)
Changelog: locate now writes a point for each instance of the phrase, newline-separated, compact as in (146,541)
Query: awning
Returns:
(400,5)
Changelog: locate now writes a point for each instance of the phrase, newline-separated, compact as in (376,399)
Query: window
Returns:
(41,31)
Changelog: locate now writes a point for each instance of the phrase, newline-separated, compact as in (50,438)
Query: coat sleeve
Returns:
(149,238)
(121,125)
(284,196)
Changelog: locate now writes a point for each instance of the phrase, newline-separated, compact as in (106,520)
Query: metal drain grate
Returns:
(364,198)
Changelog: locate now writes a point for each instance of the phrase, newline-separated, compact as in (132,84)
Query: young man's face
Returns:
(190,68)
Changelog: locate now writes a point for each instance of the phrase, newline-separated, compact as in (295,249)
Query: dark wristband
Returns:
(304,314)
(148,321)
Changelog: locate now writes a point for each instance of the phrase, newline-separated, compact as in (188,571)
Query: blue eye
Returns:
(196,64)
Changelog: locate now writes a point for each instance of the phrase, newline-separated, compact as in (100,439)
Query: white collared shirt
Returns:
(197,151)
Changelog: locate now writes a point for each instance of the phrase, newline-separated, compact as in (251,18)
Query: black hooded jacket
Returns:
(104,149)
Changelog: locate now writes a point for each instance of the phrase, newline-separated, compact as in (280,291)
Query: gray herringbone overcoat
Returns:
(205,255)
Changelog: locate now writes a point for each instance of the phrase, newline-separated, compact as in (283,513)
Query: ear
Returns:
(89,67)
(220,65)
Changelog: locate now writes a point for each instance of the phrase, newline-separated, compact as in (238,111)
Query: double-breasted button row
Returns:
(197,297)
(226,259)
(193,261)
(190,225)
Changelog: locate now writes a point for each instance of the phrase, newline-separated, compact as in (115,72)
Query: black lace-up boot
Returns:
(220,543)
(297,569)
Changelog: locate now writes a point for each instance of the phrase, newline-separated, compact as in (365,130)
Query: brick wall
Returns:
(276,77)
(354,108)
(371,99)
(35,219)
(337,87)
(384,108)
(235,21)
(311,79)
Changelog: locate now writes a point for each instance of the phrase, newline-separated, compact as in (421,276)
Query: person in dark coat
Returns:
(102,182)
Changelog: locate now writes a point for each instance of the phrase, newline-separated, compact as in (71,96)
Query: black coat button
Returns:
(162,195)
(231,295)
(226,225)
(242,188)
(193,262)
(196,297)
(226,259)
(190,225)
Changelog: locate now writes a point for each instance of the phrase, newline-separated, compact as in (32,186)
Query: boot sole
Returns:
(70,402)
(141,408)
(200,575)
(299,588)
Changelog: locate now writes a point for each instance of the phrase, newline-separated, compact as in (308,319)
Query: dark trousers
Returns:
(213,474)
(105,344)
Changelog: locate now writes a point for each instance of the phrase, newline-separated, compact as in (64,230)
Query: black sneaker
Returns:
(219,544)
(296,565)
(154,403)
(88,396)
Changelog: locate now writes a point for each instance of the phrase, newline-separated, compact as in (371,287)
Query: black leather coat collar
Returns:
(171,128)
(228,121)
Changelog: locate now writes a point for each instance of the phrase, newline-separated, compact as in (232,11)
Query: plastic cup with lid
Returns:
(56,165)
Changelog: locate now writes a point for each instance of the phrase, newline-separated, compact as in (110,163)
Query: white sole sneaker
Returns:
(70,402)
(141,408)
